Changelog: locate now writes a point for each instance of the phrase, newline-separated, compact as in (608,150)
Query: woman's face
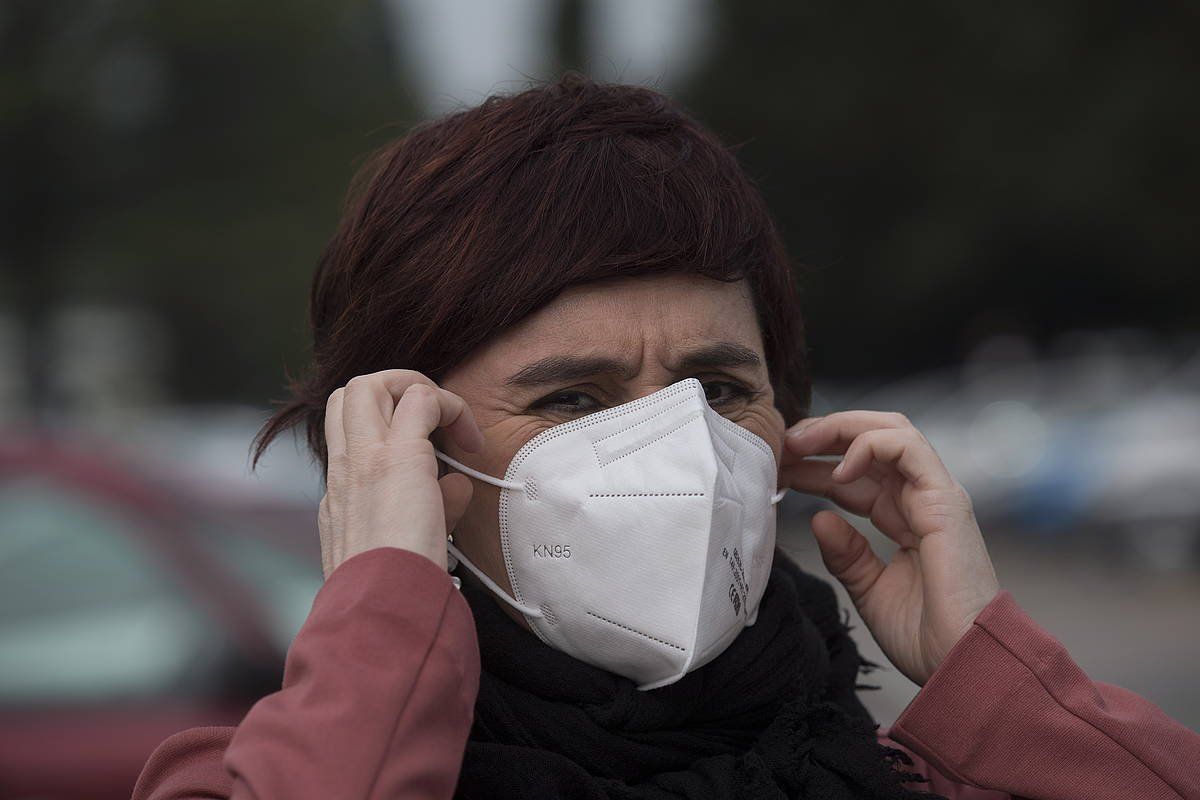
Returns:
(598,346)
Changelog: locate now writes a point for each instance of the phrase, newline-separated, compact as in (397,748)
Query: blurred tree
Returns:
(570,51)
(941,169)
(944,169)
(190,157)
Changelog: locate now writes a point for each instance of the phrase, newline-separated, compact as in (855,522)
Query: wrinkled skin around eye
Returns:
(644,324)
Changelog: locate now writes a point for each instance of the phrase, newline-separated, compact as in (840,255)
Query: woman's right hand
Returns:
(382,486)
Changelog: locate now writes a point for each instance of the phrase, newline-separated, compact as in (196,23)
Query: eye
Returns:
(724,393)
(718,393)
(569,401)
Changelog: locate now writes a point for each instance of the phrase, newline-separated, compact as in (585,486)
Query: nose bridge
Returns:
(653,371)
(644,385)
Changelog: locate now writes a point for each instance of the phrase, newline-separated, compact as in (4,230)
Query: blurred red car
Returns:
(132,608)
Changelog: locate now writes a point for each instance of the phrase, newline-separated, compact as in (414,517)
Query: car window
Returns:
(85,612)
(284,583)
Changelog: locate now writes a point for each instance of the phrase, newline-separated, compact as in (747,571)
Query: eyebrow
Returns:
(564,369)
(721,354)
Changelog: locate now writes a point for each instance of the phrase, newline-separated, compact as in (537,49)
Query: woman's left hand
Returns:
(919,604)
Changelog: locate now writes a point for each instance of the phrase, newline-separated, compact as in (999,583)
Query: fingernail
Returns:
(837,470)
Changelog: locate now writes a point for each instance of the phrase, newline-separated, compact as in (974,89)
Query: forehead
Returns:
(658,313)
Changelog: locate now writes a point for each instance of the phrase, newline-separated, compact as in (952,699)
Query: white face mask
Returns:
(638,539)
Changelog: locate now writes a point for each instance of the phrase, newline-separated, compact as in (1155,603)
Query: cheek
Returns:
(767,423)
(480,522)
(504,438)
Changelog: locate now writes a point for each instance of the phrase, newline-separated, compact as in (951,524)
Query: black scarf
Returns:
(774,716)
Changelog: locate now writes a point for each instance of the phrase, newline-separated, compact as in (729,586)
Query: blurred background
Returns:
(993,210)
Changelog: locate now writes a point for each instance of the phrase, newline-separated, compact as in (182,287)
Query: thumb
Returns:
(847,555)
(456,494)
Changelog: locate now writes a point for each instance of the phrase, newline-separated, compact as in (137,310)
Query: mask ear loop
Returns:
(474,473)
(775,498)
(528,611)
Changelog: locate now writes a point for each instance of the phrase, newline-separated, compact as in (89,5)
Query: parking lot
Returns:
(1133,626)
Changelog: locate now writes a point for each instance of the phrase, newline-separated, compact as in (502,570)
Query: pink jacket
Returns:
(379,689)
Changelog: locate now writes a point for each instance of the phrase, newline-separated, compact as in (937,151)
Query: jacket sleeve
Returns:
(378,695)
(1008,710)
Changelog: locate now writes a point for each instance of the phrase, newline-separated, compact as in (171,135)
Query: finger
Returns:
(865,496)
(456,495)
(435,408)
(814,477)
(832,434)
(378,394)
(457,419)
(367,407)
(423,409)
(335,434)
(325,536)
(847,555)
(905,449)
(801,425)
(460,423)
(417,414)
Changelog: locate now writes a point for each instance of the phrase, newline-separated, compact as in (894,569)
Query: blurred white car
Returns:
(1103,441)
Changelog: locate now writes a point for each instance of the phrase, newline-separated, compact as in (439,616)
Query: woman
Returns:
(561,327)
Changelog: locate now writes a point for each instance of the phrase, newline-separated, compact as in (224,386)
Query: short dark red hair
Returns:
(475,220)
